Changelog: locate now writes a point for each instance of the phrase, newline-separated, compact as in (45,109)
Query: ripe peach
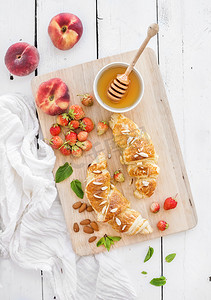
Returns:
(21,59)
(65,30)
(53,97)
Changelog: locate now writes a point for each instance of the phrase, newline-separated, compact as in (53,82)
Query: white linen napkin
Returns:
(32,228)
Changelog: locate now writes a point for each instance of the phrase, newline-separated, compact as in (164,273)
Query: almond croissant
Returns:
(109,203)
(138,153)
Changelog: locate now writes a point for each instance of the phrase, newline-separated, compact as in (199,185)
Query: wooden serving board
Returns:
(153,113)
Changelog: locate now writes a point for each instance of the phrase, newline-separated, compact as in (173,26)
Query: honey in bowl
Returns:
(132,94)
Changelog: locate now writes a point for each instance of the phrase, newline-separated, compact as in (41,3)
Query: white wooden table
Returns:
(184,54)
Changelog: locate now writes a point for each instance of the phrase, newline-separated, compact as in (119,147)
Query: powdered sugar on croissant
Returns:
(138,153)
(109,203)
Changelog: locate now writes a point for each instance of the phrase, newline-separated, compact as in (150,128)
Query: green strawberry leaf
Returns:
(63,172)
(114,238)
(107,241)
(77,189)
(170,257)
(158,281)
(144,272)
(149,254)
(100,242)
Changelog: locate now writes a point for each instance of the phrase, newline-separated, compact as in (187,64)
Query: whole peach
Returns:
(21,59)
(53,97)
(65,30)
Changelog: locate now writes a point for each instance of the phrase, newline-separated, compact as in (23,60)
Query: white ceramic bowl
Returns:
(117,110)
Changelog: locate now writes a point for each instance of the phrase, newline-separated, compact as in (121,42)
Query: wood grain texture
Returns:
(154,114)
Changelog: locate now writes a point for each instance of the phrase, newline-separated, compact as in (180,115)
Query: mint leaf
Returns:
(158,281)
(170,257)
(63,172)
(107,241)
(149,254)
(77,189)
(144,272)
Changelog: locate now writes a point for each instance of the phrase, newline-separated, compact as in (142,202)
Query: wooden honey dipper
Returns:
(120,84)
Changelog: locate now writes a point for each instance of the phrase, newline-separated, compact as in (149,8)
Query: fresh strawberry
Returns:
(162,225)
(71,138)
(82,136)
(76,151)
(56,142)
(63,119)
(170,203)
(76,112)
(86,145)
(74,124)
(87,124)
(118,176)
(155,207)
(55,129)
(102,127)
(87,99)
(65,149)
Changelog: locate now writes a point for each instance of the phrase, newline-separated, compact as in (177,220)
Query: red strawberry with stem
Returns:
(87,99)
(102,127)
(87,124)
(76,112)
(162,225)
(170,203)
(118,176)
(86,145)
(82,136)
(71,138)
(74,124)
(76,151)
(56,142)
(55,129)
(155,207)
(63,119)
(65,149)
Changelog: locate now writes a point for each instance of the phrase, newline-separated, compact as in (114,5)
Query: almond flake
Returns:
(134,139)
(103,202)
(125,131)
(129,139)
(143,154)
(97,171)
(99,197)
(145,183)
(118,221)
(113,210)
(97,183)
(136,155)
(139,163)
(103,210)
(103,188)
(112,186)
(123,227)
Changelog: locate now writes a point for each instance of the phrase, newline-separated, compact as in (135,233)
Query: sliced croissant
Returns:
(138,153)
(109,203)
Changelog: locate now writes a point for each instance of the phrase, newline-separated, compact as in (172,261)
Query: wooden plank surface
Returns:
(153,113)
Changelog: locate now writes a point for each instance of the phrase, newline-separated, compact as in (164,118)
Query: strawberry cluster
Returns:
(75,127)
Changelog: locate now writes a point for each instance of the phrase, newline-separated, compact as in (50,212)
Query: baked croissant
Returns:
(138,153)
(109,203)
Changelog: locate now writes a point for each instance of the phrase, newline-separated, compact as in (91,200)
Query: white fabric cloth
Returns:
(32,228)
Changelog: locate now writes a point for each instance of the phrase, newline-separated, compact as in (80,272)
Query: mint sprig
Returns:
(107,241)
(63,172)
(149,254)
